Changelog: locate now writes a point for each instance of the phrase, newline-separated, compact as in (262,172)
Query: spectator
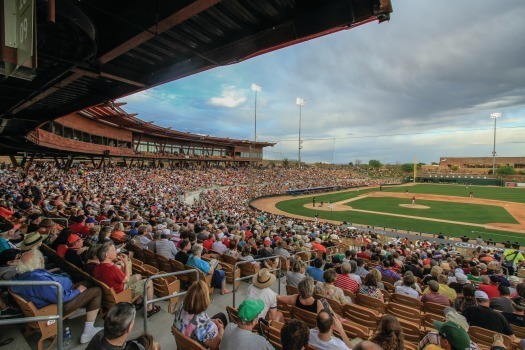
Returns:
(386,271)
(192,320)
(143,342)
(502,303)
(219,277)
(433,295)
(354,275)
(119,276)
(296,275)
(91,259)
(305,299)
(462,302)
(75,250)
(360,270)
(450,336)
(435,271)
(280,249)
(31,268)
(161,245)
(482,316)
(143,237)
(118,233)
(294,335)
(315,271)
(389,334)
(240,336)
(328,290)
(232,249)
(378,277)
(517,316)
(219,247)
(408,288)
(322,336)
(182,254)
(490,286)
(369,287)
(344,281)
(261,289)
(118,324)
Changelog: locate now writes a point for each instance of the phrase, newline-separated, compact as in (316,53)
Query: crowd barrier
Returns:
(50,318)
(145,295)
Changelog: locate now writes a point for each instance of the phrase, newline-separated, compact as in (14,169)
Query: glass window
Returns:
(86,137)
(68,133)
(77,135)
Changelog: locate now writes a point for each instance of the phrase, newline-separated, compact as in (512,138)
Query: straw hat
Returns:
(263,279)
(31,240)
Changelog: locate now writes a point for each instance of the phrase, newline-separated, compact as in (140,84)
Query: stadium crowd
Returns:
(88,217)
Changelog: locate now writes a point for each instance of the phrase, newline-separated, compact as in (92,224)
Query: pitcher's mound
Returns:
(415,206)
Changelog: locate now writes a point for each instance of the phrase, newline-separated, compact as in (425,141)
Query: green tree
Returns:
(351,164)
(374,163)
(407,167)
(505,170)
(286,162)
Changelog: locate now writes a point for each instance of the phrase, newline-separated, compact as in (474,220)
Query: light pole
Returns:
(255,88)
(300,103)
(494,116)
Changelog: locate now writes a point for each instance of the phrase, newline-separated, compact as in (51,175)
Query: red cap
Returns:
(73,238)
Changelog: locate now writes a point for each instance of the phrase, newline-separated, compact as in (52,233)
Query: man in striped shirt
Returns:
(344,281)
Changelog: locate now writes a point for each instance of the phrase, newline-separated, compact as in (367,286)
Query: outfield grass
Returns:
(507,194)
(472,213)
(296,206)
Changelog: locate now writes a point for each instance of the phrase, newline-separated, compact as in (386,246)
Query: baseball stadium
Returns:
(122,228)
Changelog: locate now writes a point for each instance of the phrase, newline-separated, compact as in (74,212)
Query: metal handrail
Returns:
(60,308)
(145,293)
(57,219)
(251,276)
(314,251)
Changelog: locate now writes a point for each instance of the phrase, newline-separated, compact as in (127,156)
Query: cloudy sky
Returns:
(420,86)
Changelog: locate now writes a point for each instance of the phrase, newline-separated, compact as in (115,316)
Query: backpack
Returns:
(507,263)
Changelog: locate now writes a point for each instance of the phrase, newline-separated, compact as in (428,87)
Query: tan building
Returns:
(479,164)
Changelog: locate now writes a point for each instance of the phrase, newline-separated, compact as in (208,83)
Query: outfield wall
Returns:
(478,180)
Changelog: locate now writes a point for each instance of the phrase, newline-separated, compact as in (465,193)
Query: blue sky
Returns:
(422,85)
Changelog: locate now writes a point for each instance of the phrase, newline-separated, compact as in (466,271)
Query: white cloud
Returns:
(230,98)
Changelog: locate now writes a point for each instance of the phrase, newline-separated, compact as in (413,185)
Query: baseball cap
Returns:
(90,220)
(479,294)
(250,309)
(454,334)
(73,238)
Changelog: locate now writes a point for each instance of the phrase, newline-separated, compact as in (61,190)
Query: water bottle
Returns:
(67,337)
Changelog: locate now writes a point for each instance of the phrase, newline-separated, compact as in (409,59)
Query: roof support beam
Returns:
(169,22)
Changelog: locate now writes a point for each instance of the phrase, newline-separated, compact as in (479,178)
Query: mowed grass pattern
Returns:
(507,194)
(472,213)
(296,206)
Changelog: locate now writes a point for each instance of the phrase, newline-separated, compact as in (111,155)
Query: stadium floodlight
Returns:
(300,103)
(255,88)
(494,116)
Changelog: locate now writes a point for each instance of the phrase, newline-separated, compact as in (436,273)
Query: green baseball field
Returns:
(454,210)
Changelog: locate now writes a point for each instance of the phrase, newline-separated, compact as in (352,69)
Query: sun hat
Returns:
(514,279)
(479,294)
(454,334)
(31,240)
(250,309)
(263,279)
(451,315)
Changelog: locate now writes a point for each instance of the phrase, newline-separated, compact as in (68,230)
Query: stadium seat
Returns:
(184,342)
